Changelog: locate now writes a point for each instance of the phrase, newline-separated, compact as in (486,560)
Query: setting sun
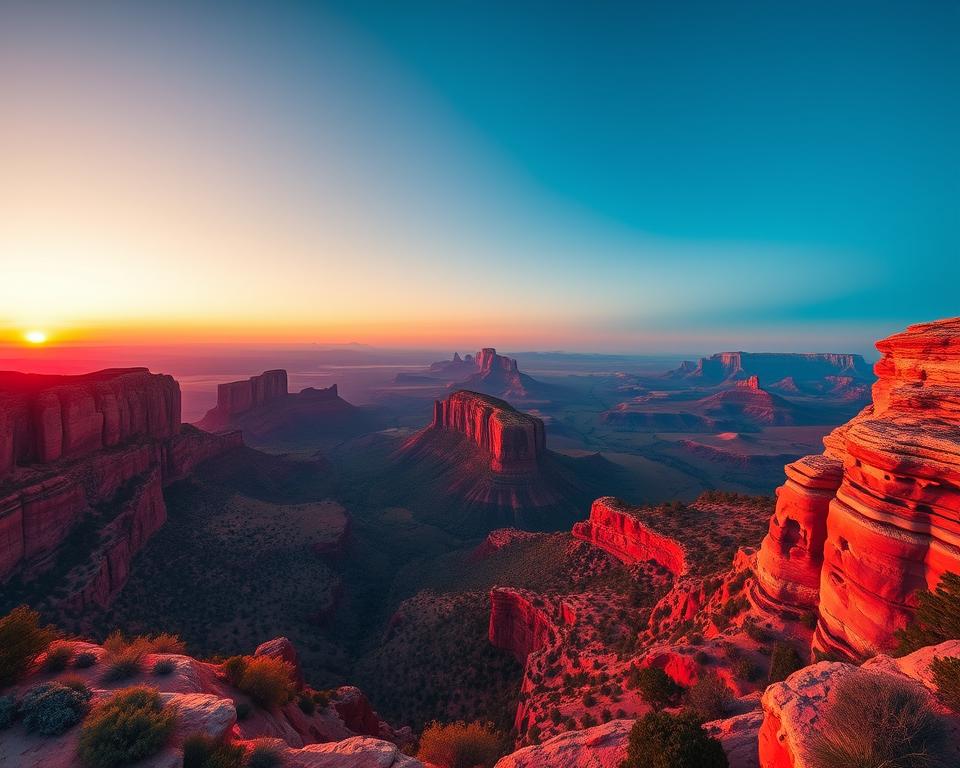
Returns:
(35,337)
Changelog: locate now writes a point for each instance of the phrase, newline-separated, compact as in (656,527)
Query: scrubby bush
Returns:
(873,721)
(233,668)
(268,681)
(201,751)
(124,658)
(946,676)
(164,643)
(709,697)
(657,687)
(131,725)
(163,667)
(937,617)
(21,639)
(51,708)
(84,660)
(662,740)
(460,745)
(57,659)
(784,661)
(8,711)
(264,756)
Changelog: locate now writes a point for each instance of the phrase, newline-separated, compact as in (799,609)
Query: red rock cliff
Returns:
(791,556)
(46,418)
(894,526)
(859,530)
(612,527)
(236,397)
(515,441)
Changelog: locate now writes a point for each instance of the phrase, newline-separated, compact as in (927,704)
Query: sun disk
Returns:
(35,337)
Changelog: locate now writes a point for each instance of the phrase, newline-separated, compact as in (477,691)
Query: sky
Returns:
(629,177)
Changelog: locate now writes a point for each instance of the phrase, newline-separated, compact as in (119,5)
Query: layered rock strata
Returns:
(85,458)
(513,440)
(236,397)
(614,527)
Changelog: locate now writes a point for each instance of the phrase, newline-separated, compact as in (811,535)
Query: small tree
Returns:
(946,676)
(875,721)
(784,661)
(21,639)
(708,698)
(657,687)
(937,617)
(662,740)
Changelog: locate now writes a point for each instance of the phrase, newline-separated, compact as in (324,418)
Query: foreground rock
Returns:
(792,708)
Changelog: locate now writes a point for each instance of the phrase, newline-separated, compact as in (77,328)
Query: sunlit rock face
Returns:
(894,526)
(514,441)
(861,528)
(614,527)
(791,556)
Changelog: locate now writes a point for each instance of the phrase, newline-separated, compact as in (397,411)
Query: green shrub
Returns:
(708,698)
(784,661)
(201,751)
(268,681)
(946,676)
(51,708)
(662,740)
(264,756)
(657,687)
(233,668)
(131,725)
(937,617)
(21,639)
(84,660)
(163,667)
(57,659)
(873,721)
(8,711)
(123,665)
(460,745)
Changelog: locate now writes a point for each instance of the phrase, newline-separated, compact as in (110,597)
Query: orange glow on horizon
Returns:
(35,337)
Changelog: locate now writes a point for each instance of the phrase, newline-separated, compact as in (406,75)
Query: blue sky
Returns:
(622,176)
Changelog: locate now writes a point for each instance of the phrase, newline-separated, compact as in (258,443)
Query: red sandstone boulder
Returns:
(281,648)
(603,746)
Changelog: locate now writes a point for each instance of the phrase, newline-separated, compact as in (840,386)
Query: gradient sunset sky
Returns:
(587,176)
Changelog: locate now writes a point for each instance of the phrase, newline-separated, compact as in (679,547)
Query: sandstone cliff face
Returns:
(514,441)
(87,456)
(878,511)
(614,528)
(791,556)
(236,397)
(46,418)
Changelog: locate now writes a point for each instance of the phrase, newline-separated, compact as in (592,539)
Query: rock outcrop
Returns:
(614,527)
(791,556)
(514,440)
(207,704)
(236,397)
(877,513)
(499,375)
(603,746)
(87,457)
(792,709)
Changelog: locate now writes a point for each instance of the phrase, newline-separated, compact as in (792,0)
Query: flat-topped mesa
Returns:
(791,555)
(45,418)
(514,440)
(751,383)
(615,527)
(773,366)
(235,397)
(894,526)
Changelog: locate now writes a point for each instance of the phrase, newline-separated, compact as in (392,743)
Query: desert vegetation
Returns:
(663,740)
(129,726)
(461,745)
(21,638)
(873,721)
(937,617)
